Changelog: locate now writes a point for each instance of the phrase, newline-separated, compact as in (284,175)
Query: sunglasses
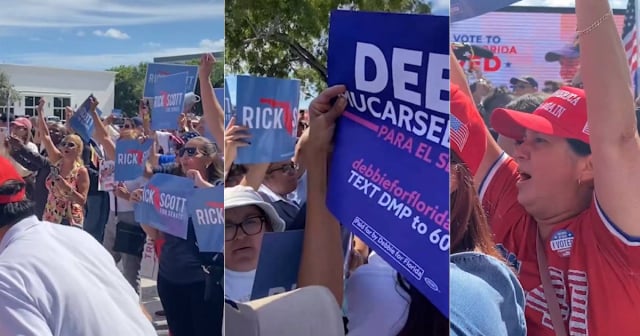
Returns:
(521,87)
(69,145)
(289,169)
(251,226)
(126,126)
(190,151)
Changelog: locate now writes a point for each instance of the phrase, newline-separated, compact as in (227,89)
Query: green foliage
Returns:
(129,87)
(130,84)
(288,38)
(217,76)
(6,88)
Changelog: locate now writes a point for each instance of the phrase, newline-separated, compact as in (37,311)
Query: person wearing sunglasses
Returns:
(247,218)
(523,85)
(184,271)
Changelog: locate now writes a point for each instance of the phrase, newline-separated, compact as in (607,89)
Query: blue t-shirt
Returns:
(166,159)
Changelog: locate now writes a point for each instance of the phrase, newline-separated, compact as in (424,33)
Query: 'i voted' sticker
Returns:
(561,242)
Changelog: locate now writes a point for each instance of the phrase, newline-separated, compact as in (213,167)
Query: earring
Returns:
(579,181)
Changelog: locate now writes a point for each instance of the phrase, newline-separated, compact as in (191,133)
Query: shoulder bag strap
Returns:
(549,292)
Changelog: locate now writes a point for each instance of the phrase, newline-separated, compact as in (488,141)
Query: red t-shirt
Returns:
(594,267)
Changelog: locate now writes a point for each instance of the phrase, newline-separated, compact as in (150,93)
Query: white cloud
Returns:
(99,61)
(212,45)
(112,33)
(101,13)
(80,33)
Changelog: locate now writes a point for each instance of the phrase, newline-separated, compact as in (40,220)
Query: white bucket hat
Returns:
(307,311)
(242,196)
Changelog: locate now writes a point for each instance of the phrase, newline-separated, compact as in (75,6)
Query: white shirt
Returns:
(163,141)
(124,205)
(376,304)
(238,285)
(58,280)
(273,197)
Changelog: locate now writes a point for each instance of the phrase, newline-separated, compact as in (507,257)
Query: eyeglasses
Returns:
(69,145)
(251,226)
(190,151)
(288,169)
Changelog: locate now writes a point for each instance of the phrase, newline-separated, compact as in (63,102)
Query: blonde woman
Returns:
(68,182)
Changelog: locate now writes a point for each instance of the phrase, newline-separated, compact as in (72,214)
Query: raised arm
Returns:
(31,160)
(52,152)
(615,144)
(100,132)
(322,255)
(493,151)
(213,114)
(255,175)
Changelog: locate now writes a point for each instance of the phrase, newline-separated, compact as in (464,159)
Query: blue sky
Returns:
(99,34)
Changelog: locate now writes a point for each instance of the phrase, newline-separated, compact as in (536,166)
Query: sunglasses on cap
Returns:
(190,151)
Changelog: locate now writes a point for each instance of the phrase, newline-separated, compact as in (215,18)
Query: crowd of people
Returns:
(544,230)
(59,280)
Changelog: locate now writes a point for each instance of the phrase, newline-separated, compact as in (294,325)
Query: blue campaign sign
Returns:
(279,263)
(228,107)
(391,154)
(167,101)
(131,156)
(465,9)
(164,204)
(82,122)
(156,71)
(206,209)
(269,108)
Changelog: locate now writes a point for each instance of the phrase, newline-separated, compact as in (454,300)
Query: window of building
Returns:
(59,103)
(4,109)
(30,105)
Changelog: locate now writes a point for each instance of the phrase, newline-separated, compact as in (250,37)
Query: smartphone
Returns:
(55,172)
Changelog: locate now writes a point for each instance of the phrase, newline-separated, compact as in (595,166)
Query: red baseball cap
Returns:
(468,134)
(564,115)
(23,122)
(8,173)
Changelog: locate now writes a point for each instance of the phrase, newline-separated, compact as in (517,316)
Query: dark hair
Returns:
(208,148)
(14,212)
(500,97)
(469,228)
(236,171)
(424,318)
(528,102)
(580,148)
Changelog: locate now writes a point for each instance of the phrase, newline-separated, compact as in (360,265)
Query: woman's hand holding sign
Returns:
(234,136)
(323,115)
(322,255)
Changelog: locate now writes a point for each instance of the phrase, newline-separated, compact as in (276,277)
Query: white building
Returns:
(59,88)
